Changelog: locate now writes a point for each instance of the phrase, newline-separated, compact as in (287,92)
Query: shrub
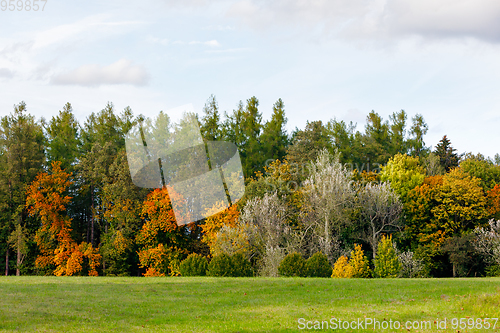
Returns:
(194,265)
(411,267)
(359,263)
(493,271)
(225,265)
(220,265)
(318,266)
(387,263)
(240,265)
(342,268)
(271,261)
(174,267)
(292,265)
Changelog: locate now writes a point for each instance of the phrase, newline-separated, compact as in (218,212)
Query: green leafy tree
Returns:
(462,254)
(386,261)
(433,166)
(404,173)
(484,169)
(419,128)
(308,143)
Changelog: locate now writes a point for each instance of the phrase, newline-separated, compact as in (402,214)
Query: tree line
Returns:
(68,205)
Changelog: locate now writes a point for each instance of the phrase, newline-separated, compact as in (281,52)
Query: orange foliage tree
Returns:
(493,201)
(163,241)
(212,225)
(46,198)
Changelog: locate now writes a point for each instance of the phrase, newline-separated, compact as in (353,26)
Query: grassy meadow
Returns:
(203,304)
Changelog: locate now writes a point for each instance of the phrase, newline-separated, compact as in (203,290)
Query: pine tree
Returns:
(377,147)
(446,153)
(63,138)
(22,146)
(274,138)
(397,133)
(211,128)
(243,128)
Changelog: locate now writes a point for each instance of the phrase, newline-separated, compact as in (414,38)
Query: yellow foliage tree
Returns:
(163,241)
(342,268)
(461,203)
(214,223)
(359,263)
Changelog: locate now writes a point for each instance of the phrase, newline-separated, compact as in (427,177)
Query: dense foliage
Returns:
(194,265)
(318,266)
(327,197)
(293,265)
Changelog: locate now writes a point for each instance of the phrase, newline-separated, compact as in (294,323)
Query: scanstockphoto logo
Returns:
(198,175)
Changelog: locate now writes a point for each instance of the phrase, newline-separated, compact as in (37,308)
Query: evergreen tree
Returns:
(397,133)
(446,153)
(274,138)
(243,128)
(63,138)
(344,139)
(23,156)
(377,149)
(211,128)
(103,127)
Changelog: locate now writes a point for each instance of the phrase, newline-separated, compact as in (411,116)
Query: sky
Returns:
(324,58)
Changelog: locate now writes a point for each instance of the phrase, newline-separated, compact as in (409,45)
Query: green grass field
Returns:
(85,304)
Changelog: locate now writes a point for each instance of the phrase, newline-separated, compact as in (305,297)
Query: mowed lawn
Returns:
(181,304)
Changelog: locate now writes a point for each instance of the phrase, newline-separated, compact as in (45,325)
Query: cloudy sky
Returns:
(325,58)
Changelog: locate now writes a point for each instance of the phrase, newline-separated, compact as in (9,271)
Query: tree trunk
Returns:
(454,271)
(327,237)
(92,216)
(18,272)
(18,260)
(7,262)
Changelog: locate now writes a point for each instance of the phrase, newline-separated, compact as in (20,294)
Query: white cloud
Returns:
(92,26)
(156,40)
(208,43)
(235,50)
(218,27)
(445,18)
(6,73)
(376,18)
(120,72)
